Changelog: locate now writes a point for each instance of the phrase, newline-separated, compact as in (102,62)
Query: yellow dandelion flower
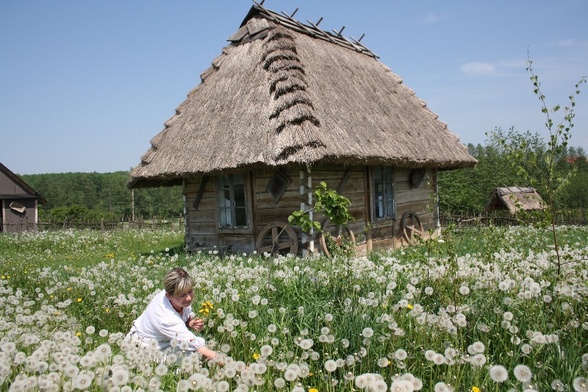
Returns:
(106,310)
(256,356)
(78,333)
(409,306)
(79,300)
(313,390)
(475,389)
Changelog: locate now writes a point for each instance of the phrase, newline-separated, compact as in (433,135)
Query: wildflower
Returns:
(290,374)
(443,387)
(82,381)
(558,385)
(580,384)
(367,332)
(429,355)
(79,300)
(383,362)
(120,376)
(409,306)
(161,369)
(475,389)
(266,350)
(279,383)
(401,386)
(523,373)
(313,390)
(205,308)
(256,356)
(498,373)
(330,366)
(400,354)
(478,360)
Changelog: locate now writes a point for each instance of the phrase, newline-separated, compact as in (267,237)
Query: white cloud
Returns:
(432,18)
(478,68)
(573,43)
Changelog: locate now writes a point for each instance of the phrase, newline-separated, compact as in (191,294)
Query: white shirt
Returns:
(162,323)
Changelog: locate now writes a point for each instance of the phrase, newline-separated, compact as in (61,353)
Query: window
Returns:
(232,205)
(278,184)
(384,206)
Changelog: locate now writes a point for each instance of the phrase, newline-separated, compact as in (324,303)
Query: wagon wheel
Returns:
(277,238)
(410,224)
(343,237)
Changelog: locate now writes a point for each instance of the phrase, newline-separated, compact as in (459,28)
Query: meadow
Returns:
(482,309)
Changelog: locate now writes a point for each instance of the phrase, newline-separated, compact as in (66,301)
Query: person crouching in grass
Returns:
(169,317)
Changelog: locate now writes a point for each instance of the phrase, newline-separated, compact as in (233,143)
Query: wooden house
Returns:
(514,199)
(284,107)
(18,203)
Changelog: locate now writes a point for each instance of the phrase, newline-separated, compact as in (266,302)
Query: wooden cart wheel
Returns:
(277,238)
(335,233)
(410,224)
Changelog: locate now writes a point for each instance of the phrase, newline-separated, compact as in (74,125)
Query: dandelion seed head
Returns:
(498,373)
(522,373)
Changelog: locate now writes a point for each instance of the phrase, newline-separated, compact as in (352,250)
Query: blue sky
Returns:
(84,85)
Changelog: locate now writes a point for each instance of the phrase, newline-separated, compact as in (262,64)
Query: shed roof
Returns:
(283,92)
(14,187)
(515,199)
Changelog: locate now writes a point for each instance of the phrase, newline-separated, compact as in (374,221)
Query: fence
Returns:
(154,223)
(501,218)
(497,218)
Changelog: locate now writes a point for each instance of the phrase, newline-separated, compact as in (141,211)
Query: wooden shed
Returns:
(284,107)
(19,203)
(514,199)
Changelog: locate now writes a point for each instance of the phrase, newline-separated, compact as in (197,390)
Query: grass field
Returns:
(483,309)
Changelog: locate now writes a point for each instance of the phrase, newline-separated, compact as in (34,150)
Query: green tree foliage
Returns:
(468,190)
(102,196)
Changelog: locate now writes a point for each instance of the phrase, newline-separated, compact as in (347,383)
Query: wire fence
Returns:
(497,218)
(576,217)
(146,224)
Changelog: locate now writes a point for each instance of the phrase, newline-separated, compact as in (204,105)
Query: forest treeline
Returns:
(468,191)
(79,197)
(92,197)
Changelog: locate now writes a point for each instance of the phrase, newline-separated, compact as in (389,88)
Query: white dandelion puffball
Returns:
(401,386)
(367,332)
(523,373)
(330,365)
(400,354)
(498,373)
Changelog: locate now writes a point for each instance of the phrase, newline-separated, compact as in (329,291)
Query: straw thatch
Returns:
(515,199)
(283,92)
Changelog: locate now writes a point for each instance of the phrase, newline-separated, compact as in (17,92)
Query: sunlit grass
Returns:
(444,315)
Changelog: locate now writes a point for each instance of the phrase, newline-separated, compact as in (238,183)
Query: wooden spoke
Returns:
(411,227)
(345,235)
(277,238)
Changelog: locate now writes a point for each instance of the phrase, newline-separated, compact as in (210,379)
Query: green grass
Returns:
(417,311)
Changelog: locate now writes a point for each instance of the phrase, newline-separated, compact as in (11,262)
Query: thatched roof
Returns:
(515,199)
(283,92)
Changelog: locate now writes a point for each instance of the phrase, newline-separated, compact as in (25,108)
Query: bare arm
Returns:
(207,353)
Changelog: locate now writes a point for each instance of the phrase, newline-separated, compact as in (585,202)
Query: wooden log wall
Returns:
(202,212)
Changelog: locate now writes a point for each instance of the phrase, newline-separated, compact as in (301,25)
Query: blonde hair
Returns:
(177,281)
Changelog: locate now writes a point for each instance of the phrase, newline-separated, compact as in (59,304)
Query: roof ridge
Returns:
(312,29)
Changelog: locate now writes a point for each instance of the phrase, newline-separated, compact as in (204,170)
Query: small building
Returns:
(514,199)
(19,203)
(285,107)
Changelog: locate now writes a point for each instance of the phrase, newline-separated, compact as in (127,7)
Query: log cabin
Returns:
(284,107)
